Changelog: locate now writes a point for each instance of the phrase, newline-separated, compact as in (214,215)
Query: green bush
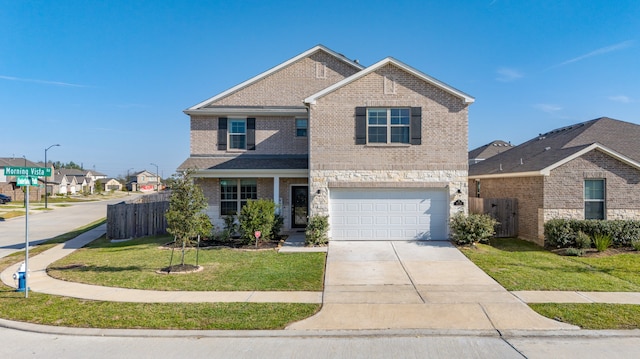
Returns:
(602,241)
(472,228)
(278,222)
(583,241)
(636,244)
(574,252)
(562,233)
(257,215)
(317,230)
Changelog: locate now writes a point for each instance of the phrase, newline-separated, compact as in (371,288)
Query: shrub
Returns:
(602,241)
(574,252)
(278,222)
(583,241)
(230,224)
(316,231)
(562,233)
(636,244)
(558,233)
(472,228)
(257,215)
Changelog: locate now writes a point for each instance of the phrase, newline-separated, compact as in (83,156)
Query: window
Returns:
(321,70)
(237,134)
(234,194)
(594,195)
(388,125)
(301,127)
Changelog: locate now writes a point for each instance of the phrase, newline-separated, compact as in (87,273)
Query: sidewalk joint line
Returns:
(413,284)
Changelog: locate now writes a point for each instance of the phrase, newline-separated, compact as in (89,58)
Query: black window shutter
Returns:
(222,134)
(251,134)
(416,125)
(361,125)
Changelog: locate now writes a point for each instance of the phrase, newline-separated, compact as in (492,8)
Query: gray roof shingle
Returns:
(549,148)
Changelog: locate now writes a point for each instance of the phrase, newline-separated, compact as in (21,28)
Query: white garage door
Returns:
(388,214)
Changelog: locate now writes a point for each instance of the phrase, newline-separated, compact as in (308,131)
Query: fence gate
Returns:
(503,210)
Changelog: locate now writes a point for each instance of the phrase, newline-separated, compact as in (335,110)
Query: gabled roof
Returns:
(390,60)
(16,162)
(547,151)
(489,150)
(273,70)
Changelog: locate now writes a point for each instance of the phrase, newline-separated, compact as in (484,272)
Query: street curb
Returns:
(177,333)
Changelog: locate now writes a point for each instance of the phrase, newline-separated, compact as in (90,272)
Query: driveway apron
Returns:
(415,285)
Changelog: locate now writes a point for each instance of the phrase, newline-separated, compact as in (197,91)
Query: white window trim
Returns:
(229,133)
(603,200)
(238,200)
(388,125)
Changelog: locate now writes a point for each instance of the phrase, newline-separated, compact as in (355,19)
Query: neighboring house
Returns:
(71,181)
(108,184)
(590,170)
(144,181)
(489,150)
(8,185)
(381,149)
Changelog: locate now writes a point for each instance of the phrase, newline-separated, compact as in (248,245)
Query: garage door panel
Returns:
(388,214)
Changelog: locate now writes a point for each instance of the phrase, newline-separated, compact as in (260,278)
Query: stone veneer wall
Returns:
(321,180)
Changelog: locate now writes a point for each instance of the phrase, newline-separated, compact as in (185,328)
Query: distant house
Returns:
(108,184)
(590,170)
(144,181)
(8,185)
(487,151)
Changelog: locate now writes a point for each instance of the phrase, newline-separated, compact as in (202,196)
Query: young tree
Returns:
(186,219)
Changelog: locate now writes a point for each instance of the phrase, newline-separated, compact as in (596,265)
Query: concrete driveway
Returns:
(417,285)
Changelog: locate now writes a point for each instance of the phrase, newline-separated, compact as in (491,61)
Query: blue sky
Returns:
(108,80)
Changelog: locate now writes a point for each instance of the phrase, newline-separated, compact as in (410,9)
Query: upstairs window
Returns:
(388,125)
(594,197)
(237,134)
(301,127)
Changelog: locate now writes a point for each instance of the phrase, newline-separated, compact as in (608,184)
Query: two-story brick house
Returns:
(381,149)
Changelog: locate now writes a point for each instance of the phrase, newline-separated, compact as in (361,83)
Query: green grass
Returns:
(63,311)
(11,214)
(134,264)
(596,316)
(521,265)
(76,232)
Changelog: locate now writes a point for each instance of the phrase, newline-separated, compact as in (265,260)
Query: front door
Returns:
(299,206)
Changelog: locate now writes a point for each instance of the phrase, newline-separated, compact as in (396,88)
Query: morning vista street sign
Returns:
(27,171)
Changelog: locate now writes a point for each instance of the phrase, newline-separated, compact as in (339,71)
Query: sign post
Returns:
(26,177)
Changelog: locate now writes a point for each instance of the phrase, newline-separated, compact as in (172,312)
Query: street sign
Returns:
(27,171)
(27,181)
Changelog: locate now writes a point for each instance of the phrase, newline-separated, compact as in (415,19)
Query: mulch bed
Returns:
(593,253)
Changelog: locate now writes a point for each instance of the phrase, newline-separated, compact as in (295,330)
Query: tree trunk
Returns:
(184,244)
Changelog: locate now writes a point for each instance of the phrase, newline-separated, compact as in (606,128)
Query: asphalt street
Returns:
(44,225)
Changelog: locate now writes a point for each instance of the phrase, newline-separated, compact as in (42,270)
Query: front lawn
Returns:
(134,264)
(521,265)
(64,311)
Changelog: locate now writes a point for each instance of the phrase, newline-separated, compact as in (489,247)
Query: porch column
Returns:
(276,193)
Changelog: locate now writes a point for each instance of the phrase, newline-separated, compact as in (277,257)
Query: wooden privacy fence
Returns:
(144,216)
(504,210)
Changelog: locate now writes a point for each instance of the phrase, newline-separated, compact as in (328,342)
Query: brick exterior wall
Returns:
(561,194)
(292,84)
(530,194)
(211,190)
(274,135)
(334,156)
(564,188)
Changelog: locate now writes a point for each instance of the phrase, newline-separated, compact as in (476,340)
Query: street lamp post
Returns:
(157,178)
(46,197)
